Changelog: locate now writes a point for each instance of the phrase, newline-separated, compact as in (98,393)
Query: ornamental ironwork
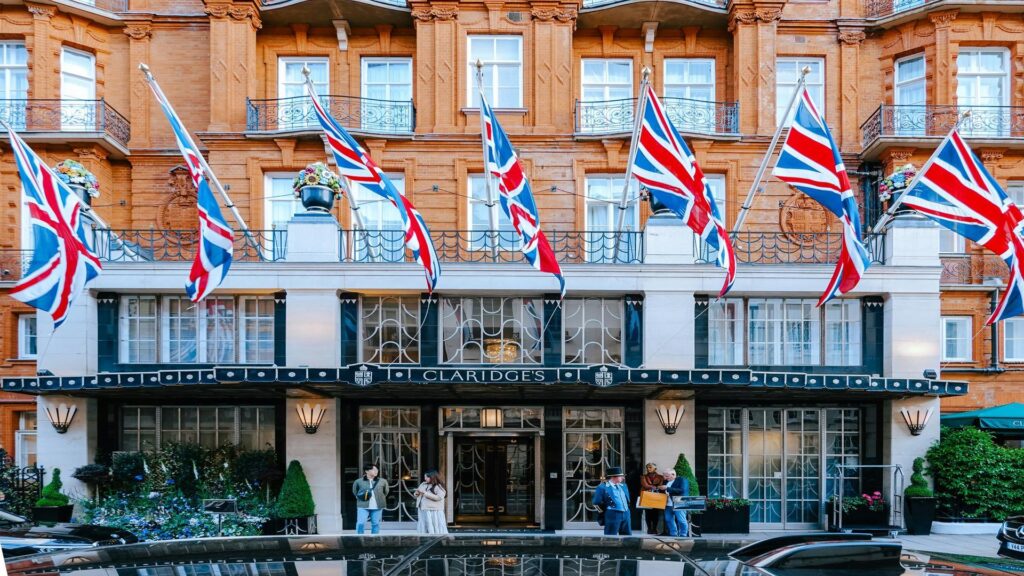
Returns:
(390,440)
(688,116)
(602,3)
(883,8)
(972,269)
(932,121)
(181,245)
(592,331)
(365,115)
(789,248)
(492,330)
(571,247)
(593,442)
(87,117)
(391,329)
(455,418)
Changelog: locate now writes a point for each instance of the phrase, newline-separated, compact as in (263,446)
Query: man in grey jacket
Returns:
(371,496)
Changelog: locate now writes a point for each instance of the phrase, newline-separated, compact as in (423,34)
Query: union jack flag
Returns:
(516,197)
(956,190)
(216,239)
(63,259)
(811,163)
(357,166)
(666,167)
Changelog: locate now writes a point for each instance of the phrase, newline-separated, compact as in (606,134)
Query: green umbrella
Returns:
(1008,418)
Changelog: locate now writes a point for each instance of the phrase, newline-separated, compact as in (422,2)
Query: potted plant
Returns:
(293,513)
(79,179)
(94,475)
(54,505)
(919,502)
(893,185)
(726,516)
(863,510)
(317,187)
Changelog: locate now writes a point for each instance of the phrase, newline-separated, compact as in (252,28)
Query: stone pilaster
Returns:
(850,41)
(233,27)
(438,86)
(945,57)
(552,33)
(44,79)
(139,97)
(754,34)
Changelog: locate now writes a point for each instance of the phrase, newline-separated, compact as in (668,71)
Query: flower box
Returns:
(290,526)
(863,516)
(726,520)
(52,513)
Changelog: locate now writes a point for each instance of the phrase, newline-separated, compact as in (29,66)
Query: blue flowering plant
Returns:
(892,184)
(72,172)
(158,494)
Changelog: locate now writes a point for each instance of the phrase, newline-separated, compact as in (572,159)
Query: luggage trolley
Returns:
(894,497)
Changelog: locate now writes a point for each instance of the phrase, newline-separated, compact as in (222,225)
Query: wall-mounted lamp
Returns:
(61,416)
(310,416)
(492,418)
(670,415)
(916,420)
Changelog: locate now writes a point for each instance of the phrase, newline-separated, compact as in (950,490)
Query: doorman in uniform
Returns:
(612,496)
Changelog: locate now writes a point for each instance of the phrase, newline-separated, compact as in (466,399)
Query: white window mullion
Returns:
(786,78)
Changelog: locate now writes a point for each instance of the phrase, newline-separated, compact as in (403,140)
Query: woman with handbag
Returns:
(652,481)
(430,501)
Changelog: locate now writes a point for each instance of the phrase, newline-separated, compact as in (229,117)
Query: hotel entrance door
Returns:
(493,481)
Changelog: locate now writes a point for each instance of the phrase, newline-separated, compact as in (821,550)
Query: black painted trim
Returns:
(430,347)
(554,347)
(633,331)
(107,326)
(349,328)
(280,329)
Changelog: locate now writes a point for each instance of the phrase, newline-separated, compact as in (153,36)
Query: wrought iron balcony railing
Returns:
(694,116)
(13,264)
(972,268)
(600,3)
(927,121)
(354,113)
(108,5)
(575,247)
(181,245)
(68,116)
(789,248)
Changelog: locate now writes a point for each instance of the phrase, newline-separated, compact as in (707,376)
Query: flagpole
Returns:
(637,123)
(202,162)
(352,202)
(491,200)
(891,212)
(749,201)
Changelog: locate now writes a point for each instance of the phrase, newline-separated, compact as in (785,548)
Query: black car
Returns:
(1011,538)
(497,554)
(19,537)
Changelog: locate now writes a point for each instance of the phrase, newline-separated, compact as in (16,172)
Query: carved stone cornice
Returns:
(138,31)
(547,14)
(432,13)
(235,12)
(989,155)
(943,19)
(851,37)
(741,16)
(768,14)
(41,11)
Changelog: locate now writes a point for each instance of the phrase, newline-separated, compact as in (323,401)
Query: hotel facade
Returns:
(520,399)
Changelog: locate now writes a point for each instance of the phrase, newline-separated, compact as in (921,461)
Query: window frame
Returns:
(282,62)
(1004,73)
(604,84)
(611,206)
(959,246)
(472,96)
(967,323)
(688,60)
(159,420)
(801,61)
(9,70)
(24,352)
(65,71)
(900,83)
(363,65)
(1018,323)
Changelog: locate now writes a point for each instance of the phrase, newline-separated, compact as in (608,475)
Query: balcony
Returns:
(923,124)
(893,12)
(60,121)
(181,245)
(789,248)
(699,117)
(965,269)
(575,247)
(358,115)
(667,13)
(357,13)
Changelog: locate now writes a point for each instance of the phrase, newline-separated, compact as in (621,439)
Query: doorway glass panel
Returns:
(592,441)
(494,481)
(391,441)
(764,465)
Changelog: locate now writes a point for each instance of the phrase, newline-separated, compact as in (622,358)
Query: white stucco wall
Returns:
(663,449)
(71,350)
(68,451)
(320,457)
(898,444)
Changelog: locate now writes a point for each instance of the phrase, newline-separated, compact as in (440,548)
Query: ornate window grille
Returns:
(592,443)
(592,330)
(491,330)
(390,439)
(513,418)
(390,329)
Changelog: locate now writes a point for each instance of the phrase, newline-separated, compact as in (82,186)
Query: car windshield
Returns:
(455,555)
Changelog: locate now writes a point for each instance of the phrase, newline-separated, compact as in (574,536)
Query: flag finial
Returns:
(305,71)
(966,114)
(145,70)
(805,71)
(645,72)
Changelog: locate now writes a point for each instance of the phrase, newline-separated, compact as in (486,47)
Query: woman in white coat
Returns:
(430,501)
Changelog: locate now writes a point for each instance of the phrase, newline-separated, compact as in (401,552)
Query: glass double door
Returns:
(494,481)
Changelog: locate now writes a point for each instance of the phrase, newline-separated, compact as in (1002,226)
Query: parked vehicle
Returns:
(19,536)
(1011,538)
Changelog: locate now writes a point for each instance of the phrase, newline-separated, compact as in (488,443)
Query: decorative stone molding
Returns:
(442,13)
(768,14)
(217,10)
(741,17)
(991,154)
(41,10)
(246,12)
(800,216)
(555,13)
(342,29)
(138,31)
(178,211)
(851,37)
(943,19)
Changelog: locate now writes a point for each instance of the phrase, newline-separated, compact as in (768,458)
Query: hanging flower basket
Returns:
(892,185)
(317,187)
(79,179)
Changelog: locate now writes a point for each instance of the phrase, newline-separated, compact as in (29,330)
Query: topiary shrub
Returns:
(52,496)
(918,485)
(295,499)
(683,470)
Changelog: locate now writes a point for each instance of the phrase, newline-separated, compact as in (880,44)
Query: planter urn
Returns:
(317,198)
(725,521)
(82,193)
(919,514)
